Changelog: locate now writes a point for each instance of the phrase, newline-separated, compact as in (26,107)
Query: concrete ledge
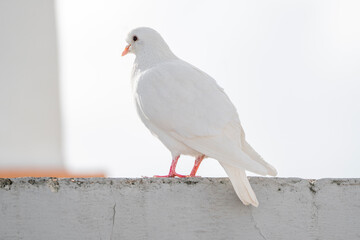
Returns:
(194,208)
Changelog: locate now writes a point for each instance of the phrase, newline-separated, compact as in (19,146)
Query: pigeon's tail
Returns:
(241,184)
(256,157)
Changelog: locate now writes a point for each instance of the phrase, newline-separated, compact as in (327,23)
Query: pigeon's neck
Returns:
(151,58)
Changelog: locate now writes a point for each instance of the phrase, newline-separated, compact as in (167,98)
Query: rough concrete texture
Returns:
(193,208)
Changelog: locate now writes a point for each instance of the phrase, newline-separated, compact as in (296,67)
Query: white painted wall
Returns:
(30,128)
(194,208)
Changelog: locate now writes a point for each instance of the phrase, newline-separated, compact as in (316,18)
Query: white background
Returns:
(292,68)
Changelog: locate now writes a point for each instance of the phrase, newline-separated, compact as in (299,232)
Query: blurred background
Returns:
(292,69)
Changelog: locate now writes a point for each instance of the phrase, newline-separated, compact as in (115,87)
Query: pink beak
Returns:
(126,50)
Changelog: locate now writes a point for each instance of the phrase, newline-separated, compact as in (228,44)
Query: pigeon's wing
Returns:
(178,97)
(189,105)
(246,147)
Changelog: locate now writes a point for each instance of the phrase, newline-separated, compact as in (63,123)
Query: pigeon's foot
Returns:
(171,176)
(172,172)
(196,165)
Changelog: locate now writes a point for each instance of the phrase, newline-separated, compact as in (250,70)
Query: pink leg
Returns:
(172,172)
(196,165)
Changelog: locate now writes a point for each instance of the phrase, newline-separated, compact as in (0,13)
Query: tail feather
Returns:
(255,156)
(241,184)
(245,146)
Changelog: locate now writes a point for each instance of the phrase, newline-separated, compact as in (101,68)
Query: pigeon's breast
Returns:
(176,97)
(145,98)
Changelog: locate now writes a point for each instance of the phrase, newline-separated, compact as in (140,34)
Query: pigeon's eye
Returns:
(135,38)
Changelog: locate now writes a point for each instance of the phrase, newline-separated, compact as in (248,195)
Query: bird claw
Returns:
(172,176)
(161,176)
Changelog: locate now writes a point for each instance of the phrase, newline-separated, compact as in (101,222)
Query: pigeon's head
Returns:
(145,41)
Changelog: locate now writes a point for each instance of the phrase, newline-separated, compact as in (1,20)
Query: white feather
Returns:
(187,110)
(241,184)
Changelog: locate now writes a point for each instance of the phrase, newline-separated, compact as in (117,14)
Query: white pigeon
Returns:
(187,110)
